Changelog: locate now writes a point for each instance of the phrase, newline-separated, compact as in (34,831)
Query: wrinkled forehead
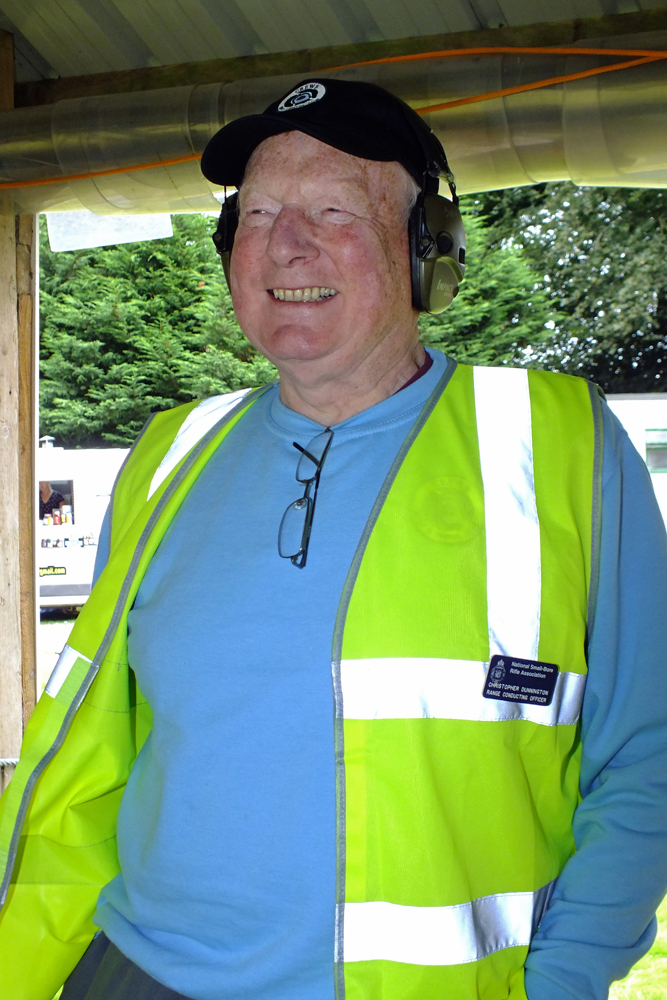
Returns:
(294,158)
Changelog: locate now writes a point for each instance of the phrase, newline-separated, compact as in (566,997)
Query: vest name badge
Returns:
(530,682)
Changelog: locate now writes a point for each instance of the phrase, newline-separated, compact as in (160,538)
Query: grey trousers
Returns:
(105,974)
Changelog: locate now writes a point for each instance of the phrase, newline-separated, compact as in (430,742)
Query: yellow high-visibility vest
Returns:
(458,670)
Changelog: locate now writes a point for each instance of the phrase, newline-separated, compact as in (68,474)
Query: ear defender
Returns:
(437,252)
(223,237)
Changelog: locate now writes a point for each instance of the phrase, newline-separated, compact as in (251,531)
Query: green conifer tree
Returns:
(599,256)
(130,329)
(499,310)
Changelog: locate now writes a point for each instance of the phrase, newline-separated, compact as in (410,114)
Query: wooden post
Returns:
(27,233)
(11,684)
(17,446)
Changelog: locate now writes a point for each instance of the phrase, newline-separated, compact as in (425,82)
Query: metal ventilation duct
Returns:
(605,130)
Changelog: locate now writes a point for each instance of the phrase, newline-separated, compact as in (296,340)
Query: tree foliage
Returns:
(499,311)
(134,328)
(598,254)
(130,329)
(558,277)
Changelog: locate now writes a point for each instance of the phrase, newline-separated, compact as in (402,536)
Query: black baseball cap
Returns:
(356,117)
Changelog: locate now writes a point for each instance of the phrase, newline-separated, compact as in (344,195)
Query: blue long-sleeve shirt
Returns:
(600,920)
(275,624)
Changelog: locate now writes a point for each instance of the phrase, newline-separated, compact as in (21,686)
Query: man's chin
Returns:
(294,342)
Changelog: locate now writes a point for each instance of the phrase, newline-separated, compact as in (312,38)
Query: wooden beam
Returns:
(312,60)
(11,684)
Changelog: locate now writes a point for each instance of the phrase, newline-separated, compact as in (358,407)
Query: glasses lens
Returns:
(292,527)
(311,459)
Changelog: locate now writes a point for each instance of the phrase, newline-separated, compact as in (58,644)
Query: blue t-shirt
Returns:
(227,826)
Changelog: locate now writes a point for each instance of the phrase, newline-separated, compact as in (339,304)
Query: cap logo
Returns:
(304,95)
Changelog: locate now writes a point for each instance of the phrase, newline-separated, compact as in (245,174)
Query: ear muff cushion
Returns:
(415,228)
(223,237)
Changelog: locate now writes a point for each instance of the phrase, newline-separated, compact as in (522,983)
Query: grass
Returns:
(648,979)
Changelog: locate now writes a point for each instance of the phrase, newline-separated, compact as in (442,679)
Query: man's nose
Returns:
(291,238)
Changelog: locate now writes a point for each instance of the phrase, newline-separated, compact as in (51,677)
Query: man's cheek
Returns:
(245,288)
(247,253)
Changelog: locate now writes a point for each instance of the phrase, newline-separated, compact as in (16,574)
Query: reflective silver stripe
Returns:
(421,688)
(442,935)
(65,662)
(194,427)
(502,405)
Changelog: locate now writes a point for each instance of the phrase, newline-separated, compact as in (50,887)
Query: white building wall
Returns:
(69,549)
(640,412)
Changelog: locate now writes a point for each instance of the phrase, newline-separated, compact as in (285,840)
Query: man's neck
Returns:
(330,401)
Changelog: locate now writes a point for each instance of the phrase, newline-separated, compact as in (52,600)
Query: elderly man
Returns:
(406,742)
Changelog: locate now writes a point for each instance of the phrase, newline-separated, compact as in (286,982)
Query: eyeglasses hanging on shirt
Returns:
(297,521)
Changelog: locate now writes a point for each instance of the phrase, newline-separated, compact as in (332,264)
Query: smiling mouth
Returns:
(315,294)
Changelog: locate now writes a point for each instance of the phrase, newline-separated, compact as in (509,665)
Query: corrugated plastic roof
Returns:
(77,37)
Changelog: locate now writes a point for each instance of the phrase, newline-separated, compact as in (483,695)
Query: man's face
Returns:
(320,267)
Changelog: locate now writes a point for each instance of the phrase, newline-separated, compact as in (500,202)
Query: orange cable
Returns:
(508,50)
(642,56)
(538,84)
(101,173)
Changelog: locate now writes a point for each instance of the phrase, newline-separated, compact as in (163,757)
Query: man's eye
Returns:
(255,216)
(336,215)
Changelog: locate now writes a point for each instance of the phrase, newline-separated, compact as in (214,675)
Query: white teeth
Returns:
(315,294)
